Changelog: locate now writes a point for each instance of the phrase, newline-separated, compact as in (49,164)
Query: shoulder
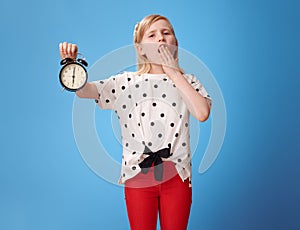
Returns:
(191,78)
(125,75)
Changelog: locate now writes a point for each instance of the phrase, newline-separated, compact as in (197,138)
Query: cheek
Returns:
(174,41)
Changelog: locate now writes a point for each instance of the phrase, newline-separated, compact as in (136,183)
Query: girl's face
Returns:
(159,33)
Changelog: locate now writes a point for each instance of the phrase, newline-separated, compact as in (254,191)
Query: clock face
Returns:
(73,76)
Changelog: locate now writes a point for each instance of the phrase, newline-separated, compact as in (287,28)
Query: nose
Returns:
(161,38)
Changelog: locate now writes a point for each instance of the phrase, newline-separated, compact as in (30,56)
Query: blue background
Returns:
(251,47)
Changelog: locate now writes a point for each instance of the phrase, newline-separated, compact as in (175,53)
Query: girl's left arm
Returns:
(197,105)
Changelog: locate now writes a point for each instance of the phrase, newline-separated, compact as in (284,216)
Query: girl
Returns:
(153,107)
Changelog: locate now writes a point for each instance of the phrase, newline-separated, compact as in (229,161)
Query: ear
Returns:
(139,49)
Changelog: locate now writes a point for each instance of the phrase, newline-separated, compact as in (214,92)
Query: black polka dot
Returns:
(159,135)
(133,153)
(172,124)
(139,124)
(125,125)
(137,86)
(133,168)
(176,134)
(125,163)
(169,145)
(174,85)
(96,101)
(143,114)
(179,160)
(124,106)
(144,95)
(165,79)
(129,115)
(129,79)
(162,115)
(197,90)
(152,123)
(146,79)
(186,124)
(123,87)
(129,96)
(155,86)
(132,134)
(126,144)
(101,82)
(164,96)
(107,101)
(123,174)
(149,144)
(113,90)
(174,104)
(183,144)
(154,104)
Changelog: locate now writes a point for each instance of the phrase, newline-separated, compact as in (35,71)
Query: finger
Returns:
(163,59)
(163,54)
(61,50)
(168,53)
(69,47)
(64,49)
(74,50)
(168,59)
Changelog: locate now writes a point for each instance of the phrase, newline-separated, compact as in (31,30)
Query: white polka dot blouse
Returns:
(152,116)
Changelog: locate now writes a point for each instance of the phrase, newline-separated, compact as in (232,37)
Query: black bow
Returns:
(155,157)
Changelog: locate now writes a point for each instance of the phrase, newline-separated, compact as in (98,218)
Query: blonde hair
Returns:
(143,64)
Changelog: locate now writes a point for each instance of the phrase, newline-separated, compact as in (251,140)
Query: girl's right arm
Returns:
(71,51)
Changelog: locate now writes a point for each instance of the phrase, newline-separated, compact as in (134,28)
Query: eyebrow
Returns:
(164,28)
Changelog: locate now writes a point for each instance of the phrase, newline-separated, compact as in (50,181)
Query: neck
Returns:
(156,69)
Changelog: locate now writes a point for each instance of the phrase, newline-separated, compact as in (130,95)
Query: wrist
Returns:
(174,73)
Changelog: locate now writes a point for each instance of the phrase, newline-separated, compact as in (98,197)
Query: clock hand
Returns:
(73,76)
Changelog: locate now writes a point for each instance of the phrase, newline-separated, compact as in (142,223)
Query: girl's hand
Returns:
(169,63)
(68,50)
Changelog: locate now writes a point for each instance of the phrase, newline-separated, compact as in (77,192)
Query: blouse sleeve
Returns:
(107,95)
(195,83)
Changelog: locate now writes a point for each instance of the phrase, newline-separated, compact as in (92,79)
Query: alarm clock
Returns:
(73,75)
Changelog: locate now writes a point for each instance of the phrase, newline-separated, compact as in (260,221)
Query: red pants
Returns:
(171,198)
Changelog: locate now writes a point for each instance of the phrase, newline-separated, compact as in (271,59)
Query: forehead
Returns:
(160,24)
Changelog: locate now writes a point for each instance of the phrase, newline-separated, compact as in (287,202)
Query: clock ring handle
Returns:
(82,60)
